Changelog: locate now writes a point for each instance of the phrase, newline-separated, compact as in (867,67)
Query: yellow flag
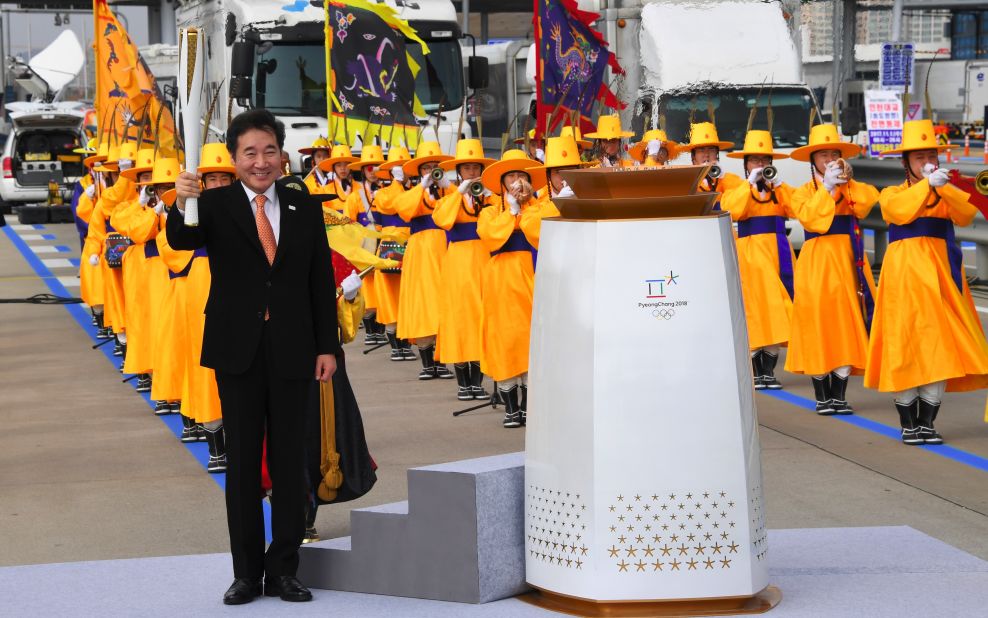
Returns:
(126,91)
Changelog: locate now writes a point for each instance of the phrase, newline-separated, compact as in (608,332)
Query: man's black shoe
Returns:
(243,590)
(287,587)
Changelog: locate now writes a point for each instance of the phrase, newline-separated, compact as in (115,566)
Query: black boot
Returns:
(380,333)
(95,320)
(102,332)
(821,389)
(395,348)
(477,381)
(406,350)
(144,383)
(838,391)
(463,392)
(768,371)
(189,433)
(524,404)
(907,420)
(217,450)
(369,337)
(117,346)
(512,411)
(757,371)
(926,414)
(428,364)
(162,408)
(201,433)
(443,372)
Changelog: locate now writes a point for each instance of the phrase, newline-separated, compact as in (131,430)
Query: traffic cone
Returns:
(967,145)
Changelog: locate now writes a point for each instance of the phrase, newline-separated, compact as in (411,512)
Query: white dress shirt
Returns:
(271,207)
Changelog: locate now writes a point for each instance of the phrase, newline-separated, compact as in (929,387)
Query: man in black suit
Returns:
(270,327)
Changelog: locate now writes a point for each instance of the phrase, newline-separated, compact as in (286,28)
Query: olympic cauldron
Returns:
(643,484)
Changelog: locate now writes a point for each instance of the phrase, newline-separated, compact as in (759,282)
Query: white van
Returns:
(40,148)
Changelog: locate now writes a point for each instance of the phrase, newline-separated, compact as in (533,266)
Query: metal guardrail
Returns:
(886,173)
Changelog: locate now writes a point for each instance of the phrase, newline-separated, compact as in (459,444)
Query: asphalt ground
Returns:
(87,472)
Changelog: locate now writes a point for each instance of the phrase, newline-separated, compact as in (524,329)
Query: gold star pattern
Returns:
(627,548)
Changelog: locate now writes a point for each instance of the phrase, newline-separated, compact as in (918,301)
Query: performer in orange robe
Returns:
(140,224)
(393,229)
(418,305)
(765,258)
(458,339)
(926,336)
(337,166)
(361,207)
(509,229)
(834,287)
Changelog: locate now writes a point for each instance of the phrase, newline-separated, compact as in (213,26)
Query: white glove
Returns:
(465,187)
(654,146)
(124,164)
(566,191)
(426,181)
(351,285)
(928,169)
(330,176)
(513,204)
(143,197)
(540,154)
(94,260)
(938,177)
(398,174)
(91,191)
(831,177)
(443,182)
(487,193)
(159,208)
(755,176)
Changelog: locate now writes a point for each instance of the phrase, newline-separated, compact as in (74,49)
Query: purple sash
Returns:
(150,249)
(198,253)
(422,223)
(462,232)
(772,225)
(363,219)
(934,227)
(391,221)
(848,224)
(518,242)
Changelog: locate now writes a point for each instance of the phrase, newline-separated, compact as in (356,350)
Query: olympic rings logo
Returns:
(663,314)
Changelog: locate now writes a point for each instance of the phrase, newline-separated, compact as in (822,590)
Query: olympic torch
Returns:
(190,75)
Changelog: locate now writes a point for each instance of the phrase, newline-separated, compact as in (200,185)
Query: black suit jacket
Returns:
(297,290)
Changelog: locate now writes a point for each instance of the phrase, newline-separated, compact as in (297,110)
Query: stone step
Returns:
(459,537)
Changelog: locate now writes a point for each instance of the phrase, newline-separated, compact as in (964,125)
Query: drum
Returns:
(391,250)
(116,244)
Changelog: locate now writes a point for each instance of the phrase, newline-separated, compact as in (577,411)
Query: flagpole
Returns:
(327,43)
(539,124)
(96,66)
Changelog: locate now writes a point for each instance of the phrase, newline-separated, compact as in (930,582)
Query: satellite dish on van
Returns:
(51,69)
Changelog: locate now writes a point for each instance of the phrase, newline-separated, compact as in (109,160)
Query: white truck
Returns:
(278,46)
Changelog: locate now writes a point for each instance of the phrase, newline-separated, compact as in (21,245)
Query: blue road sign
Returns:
(896,68)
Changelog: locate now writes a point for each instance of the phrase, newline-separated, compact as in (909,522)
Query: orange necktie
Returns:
(266,234)
(264,230)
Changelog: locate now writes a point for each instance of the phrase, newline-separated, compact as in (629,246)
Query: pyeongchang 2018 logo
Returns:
(662,297)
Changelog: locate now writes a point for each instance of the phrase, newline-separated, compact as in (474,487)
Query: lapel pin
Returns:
(290,207)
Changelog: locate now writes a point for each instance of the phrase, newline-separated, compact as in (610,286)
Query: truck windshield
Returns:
(732,106)
(290,79)
(440,77)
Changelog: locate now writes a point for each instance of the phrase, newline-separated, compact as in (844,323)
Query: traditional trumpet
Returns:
(437,174)
(981,182)
(976,184)
(846,171)
(715,172)
(476,188)
(770,172)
